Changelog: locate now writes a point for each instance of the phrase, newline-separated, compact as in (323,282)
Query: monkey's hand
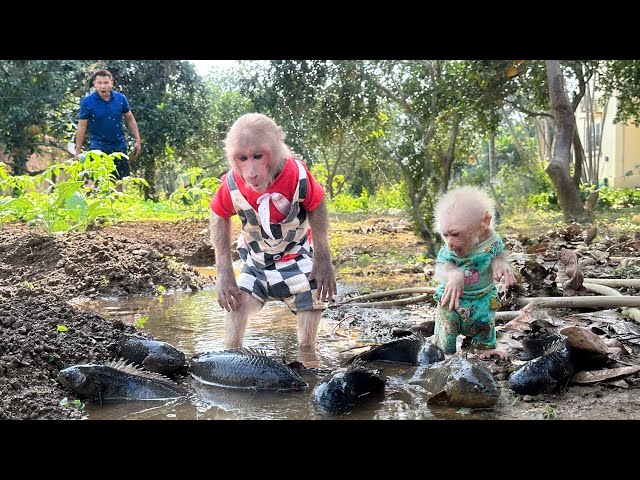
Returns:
(453,289)
(502,271)
(227,290)
(322,273)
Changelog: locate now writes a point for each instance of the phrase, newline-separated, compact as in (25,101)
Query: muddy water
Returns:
(194,323)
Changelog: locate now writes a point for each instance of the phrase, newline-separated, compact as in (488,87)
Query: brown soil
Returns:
(39,274)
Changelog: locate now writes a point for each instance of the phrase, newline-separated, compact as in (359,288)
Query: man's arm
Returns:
(322,270)
(80,134)
(226,285)
(133,128)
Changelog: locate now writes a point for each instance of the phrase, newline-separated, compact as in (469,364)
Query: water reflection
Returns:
(194,323)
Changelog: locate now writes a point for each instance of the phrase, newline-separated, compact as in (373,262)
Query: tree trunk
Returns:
(493,162)
(564,125)
(448,158)
(425,229)
(579,158)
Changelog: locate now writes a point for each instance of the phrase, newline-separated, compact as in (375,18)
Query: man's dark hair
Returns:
(101,72)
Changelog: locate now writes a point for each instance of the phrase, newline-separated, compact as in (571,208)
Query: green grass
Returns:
(536,222)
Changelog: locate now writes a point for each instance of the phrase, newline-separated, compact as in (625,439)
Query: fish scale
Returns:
(117,381)
(244,369)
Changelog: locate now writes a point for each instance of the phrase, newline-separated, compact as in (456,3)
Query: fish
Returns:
(155,356)
(414,350)
(244,368)
(458,382)
(546,373)
(537,343)
(344,388)
(117,380)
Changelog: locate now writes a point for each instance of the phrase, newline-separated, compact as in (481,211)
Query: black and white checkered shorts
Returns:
(286,281)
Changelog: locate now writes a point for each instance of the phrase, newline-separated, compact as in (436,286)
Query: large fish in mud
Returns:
(458,382)
(414,350)
(244,368)
(117,381)
(546,373)
(341,391)
(155,356)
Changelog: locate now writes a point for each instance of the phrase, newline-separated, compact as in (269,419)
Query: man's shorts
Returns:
(286,281)
(123,168)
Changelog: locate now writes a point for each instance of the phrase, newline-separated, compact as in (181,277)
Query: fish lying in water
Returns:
(244,368)
(546,373)
(414,350)
(117,381)
(458,382)
(341,391)
(155,356)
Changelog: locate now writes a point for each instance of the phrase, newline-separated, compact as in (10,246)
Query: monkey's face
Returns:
(462,230)
(255,164)
(459,242)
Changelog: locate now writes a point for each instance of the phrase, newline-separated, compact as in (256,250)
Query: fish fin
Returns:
(359,364)
(441,397)
(122,365)
(555,346)
(248,351)
(417,335)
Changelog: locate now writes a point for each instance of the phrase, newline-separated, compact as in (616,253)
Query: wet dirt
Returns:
(41,332)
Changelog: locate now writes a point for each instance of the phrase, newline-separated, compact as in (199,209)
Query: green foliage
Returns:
(621,79)
(169,100)
(363,260)
(617,198)
(37,104)
(195,191)
(140,323)
(391,199)
(548,412)
(77,404)
(544,200)
(346,203)
(72,204)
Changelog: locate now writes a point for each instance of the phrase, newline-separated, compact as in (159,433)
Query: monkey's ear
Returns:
(486,219)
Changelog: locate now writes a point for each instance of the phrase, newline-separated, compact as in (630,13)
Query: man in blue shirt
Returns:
(101,113)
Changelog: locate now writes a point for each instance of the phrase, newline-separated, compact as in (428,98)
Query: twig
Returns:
(608,301)
(390,303)
(360,346)
(346,317)
(614,282)
(390,293)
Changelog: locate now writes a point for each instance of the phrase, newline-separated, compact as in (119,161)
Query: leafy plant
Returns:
(140,323)
(77,404)
(195,191)
(549,413)
(62,329)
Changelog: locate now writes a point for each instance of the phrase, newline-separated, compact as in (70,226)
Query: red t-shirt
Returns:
(285,183)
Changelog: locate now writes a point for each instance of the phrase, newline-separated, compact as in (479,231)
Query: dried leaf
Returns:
(606,374)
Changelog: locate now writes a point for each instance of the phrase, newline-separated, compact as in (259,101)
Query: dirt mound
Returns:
(40,333)
(138,258)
